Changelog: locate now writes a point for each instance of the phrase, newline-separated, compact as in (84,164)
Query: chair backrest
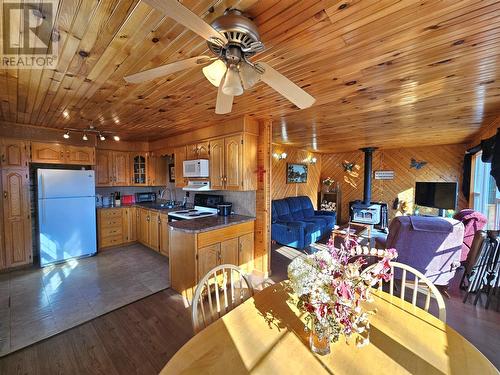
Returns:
(218,292)
(418,280)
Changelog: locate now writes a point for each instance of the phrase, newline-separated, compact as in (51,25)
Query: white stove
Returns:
(195,213)
(204,205)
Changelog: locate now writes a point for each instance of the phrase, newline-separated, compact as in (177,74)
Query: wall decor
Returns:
(384,175)
(348,167)
(171,172)
(417,164)
(296,173)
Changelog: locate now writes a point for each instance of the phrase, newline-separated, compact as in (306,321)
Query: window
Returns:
(485,195)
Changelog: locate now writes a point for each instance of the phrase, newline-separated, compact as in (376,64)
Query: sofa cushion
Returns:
(295,208)
(330,219)
(282,210)
(307,207)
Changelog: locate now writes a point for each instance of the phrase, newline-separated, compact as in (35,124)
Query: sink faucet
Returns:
(163,191)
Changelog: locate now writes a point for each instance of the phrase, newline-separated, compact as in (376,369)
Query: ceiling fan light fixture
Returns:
(249,76)
(215,72)
(232,83)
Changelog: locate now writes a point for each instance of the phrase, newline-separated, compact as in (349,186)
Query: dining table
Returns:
(266,335)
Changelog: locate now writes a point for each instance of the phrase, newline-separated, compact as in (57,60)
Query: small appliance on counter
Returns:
(224,208)
(106,201)
(98,200)
(145,197)
(128,199)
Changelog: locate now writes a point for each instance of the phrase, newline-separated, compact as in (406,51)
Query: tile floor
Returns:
(38,303)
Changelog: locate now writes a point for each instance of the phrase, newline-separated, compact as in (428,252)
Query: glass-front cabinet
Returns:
(139,171)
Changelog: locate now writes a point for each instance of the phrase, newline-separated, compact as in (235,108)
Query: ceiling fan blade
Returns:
(286,87)
(167,69)
(182,15)
(224,102)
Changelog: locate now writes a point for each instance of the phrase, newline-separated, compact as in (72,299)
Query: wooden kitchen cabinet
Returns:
(157,170)
(13,153)
(17,248)
(192,255)
(199,150)
(216,164)
(232,162)
(48,153)
(245,252)
(143,226)
(163,233)
(179,157)
(129,225)
(154,230)
(139,169)
(111,231)
(79,155)
(112,168)
(56,153)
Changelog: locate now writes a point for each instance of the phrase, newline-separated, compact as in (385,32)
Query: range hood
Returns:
(195,185)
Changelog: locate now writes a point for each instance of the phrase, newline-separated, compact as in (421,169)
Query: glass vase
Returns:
(320,344)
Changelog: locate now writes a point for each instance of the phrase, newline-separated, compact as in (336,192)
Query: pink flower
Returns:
(344,291)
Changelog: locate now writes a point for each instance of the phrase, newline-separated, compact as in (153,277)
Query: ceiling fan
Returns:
(233,39)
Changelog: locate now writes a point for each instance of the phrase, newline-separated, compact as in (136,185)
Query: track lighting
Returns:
(84,137)
(66,135)
(101,137)
(91,130)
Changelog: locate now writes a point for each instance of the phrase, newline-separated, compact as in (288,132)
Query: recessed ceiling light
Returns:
(116,138)
(65,113)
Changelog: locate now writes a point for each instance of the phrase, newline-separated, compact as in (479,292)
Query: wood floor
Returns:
(141,337)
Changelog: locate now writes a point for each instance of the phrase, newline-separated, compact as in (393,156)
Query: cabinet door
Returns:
(139,169)
(217,164)
(229,252)
(14,154)
(51,153)
(164,234)
(203,149)
(104,168)
(129,227)
(2,243)
(144,220)
(80,155)
(233,162)
(192,152)
(120,168)
(17,217)
(161,178)
(154,230)
(151,169)
(179,157)
(208,258)
(245,252)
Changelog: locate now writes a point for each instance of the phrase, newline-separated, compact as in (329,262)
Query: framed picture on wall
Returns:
(171,172)
(296,173)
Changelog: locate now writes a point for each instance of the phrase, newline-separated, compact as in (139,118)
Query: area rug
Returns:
(40,302)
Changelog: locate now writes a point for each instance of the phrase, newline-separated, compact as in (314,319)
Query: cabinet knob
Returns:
(3,158)
(5,194)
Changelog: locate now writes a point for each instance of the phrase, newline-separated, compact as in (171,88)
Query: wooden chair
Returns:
(218,292)
(419,282)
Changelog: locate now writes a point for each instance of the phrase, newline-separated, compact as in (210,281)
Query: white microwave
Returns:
(195,168)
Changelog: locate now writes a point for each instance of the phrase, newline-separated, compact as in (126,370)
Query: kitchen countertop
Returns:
(149,205)
(208,223)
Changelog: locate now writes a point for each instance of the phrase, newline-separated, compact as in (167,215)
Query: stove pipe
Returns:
(367,182)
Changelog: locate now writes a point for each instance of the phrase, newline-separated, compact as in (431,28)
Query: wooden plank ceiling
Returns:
(384,73)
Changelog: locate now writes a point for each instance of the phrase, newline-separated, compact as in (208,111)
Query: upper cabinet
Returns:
(14,153)
(157,170)
(179,157)
(233,162)
(112,168)
(198,151)
(139,169)
(56,153)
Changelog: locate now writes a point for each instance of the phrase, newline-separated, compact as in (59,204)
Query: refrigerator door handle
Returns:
(42,186)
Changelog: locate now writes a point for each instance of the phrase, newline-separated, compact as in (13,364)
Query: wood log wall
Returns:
(444,163)
(279,186)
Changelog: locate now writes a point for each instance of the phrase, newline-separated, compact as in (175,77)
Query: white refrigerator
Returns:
(66,214)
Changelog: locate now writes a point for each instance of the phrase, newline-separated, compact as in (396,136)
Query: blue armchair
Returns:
(295,223)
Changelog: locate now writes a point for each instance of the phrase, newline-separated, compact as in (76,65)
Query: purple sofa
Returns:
(472,221)
(432,245)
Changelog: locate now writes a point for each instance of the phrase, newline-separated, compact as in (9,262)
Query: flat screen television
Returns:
(442,195)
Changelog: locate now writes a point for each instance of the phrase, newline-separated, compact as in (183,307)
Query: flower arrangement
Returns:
(330,285)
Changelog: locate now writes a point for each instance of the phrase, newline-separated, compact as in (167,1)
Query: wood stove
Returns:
(365,211)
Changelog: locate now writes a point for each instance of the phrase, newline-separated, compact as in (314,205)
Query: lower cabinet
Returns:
(193,254)
(164,234)
(111,231)
(154,230)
